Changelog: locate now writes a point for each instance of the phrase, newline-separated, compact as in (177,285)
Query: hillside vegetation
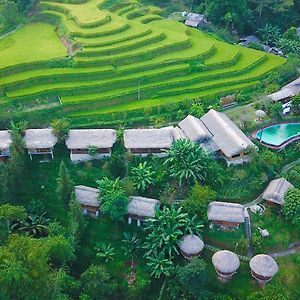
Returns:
(121,59)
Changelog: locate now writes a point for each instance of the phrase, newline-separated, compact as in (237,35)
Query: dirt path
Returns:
(293,248)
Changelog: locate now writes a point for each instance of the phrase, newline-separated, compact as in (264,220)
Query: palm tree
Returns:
(269,34)
(132,245)
(34,225)
(160,266)
(143,176)
(192,226)
(165,231)
(188,162)
(105,252)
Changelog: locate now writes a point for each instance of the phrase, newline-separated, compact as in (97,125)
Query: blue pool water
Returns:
(276,135)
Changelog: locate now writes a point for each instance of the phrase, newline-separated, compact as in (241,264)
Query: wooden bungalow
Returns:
(275,191)
(39,142)
(226,216)
(191,246)
(82,143)
(149,141)
(263,268)
(140,209)
(5,141)
(226,264)
(231,142)
(89,200)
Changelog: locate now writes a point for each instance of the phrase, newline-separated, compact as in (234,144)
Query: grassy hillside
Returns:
(125,58)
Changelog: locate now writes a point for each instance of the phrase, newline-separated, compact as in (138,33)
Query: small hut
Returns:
(141,208)
(191,246)
(149,141)
(195,20)
(226,264)
(89,200)
(5,141)
(81,141)
(39,141)
(263,268)
(226,216)
(275,191)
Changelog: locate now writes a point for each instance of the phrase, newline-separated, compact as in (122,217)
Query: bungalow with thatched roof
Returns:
(274,193)
(194,129)
(263,268)
(5,141)
(39,141)
(148,141)
(286,93)
(230,141)
(88,144)
(226,215)
(191,246)
(195,20)
(226,264)
(89,200)
(140,209)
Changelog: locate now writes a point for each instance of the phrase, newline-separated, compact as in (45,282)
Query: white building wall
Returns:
(86,157)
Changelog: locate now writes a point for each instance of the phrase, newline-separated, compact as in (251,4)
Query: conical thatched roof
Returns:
(226,261)
(263,265)
(191,244)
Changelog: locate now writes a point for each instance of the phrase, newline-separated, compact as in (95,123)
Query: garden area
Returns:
(119,259)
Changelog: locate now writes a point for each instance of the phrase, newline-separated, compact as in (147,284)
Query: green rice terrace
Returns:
(93,60)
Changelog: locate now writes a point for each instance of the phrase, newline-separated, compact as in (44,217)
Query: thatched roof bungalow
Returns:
(226,264)
(230,140)
(141,208)
(39,141)
(89,199)
(80,141)
(226,215)
(286,92)
(191,246)
(263,268)
(194,129)
(195,20)
(274,193)
(148,141)
(5,141)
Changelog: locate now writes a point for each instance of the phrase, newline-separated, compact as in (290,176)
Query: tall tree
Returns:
(65,185)
(291,208)
(16,163)
(96,283)
(3,183)
(188,162)
(193,277)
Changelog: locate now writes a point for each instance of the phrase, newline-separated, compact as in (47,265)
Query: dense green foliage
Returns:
(291,208)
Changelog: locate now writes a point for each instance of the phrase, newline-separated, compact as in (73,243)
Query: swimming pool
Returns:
(276,135)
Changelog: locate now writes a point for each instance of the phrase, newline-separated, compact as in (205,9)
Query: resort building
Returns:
(191,246)
(89,200)
(149,141)
(88,144)
(226,216)
(274,193)
(216,133)
(39,142)
(195,20)
(5,141)
(286,93)
(140,209)
(263,268)
(226,264)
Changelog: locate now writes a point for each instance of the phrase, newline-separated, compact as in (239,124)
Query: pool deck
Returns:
(280,147)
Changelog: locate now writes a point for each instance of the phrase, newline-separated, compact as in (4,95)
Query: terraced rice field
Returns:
(125,58)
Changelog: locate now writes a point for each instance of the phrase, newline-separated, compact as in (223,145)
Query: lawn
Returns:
(32,43)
